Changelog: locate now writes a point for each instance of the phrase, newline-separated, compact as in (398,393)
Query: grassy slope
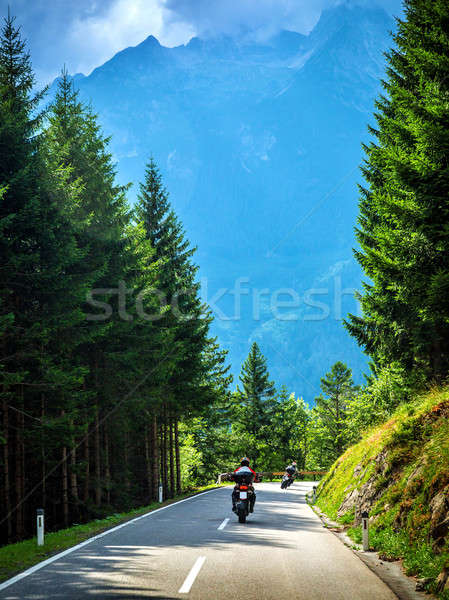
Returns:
(406,463)
(18,557)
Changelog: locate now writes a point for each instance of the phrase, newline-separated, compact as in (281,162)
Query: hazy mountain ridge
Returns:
(259,145)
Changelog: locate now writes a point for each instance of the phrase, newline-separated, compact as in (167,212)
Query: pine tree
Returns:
(39,304)
(338,389)
(254,405)
(92,395)
(289,428)
(403,227)
(194,367)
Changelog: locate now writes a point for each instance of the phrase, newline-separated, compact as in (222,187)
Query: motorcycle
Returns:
(287,480)
(244,495)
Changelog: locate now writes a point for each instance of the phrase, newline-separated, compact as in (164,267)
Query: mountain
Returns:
(259,143)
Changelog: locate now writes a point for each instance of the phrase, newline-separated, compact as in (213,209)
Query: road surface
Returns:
(190,550)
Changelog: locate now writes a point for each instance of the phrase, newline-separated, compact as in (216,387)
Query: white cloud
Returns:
(231,16)
(126,23)
(84,34)
(266,17)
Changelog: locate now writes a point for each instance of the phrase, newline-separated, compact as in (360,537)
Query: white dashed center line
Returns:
(185,588)
(223,525)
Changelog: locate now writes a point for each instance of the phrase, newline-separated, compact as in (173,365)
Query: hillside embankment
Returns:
(399,473)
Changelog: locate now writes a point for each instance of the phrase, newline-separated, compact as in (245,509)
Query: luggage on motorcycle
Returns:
(243,477)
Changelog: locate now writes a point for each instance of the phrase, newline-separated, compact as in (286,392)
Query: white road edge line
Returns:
(48,561)
(223,525)
(190,579)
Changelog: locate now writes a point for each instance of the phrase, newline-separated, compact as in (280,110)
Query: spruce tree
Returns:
(330,408)
(289,430)
(39,303)
(403,228)
(192,364)
(254,405)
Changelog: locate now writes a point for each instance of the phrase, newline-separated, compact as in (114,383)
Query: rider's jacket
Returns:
(291,469)
(244,469)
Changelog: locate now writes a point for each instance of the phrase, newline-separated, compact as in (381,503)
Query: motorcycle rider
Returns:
(291,472)
(291,469)
(242,469)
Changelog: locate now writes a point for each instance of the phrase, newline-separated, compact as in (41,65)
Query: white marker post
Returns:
(314,494)
(40,526)
(365,531)
(161,492)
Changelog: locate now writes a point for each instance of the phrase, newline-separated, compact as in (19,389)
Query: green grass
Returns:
(415,447)
(15,558)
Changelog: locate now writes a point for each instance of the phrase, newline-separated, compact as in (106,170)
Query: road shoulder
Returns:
(391,573)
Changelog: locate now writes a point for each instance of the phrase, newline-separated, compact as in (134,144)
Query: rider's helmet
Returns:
(244,461)
(294,463)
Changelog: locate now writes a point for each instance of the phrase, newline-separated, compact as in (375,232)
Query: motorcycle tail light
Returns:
(243,487)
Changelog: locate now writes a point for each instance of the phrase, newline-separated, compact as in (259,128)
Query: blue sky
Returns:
(83,34)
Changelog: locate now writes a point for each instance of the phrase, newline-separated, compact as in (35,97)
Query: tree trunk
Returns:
(126,458)
(178,460)
(98,490)
(73,476)
(172,460)
(161,457)
(19,474)
(148,462)
(65,488)
(74,479)
(155,458)
(87,468)
(6,481)
(43,457)
(107,465)
(164,459)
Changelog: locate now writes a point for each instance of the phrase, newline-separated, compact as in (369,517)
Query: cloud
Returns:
(125,23)
(86,33)
(233,16)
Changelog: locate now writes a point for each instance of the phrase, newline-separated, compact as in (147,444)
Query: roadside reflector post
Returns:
(161,492)
(365,531)
(314,494)
(40,526)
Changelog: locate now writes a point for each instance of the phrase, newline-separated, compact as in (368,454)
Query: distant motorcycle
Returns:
(287,480)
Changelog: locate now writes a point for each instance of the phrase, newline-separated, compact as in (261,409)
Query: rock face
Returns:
(439,523)
(443,580)
(363,498)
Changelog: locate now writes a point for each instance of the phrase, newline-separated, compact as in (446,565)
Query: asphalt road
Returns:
(189,550)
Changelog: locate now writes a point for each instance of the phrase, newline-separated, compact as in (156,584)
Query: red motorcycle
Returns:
(244,495)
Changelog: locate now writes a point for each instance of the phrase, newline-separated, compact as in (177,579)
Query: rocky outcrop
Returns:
(442,583)
(362,498)
(439,523)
